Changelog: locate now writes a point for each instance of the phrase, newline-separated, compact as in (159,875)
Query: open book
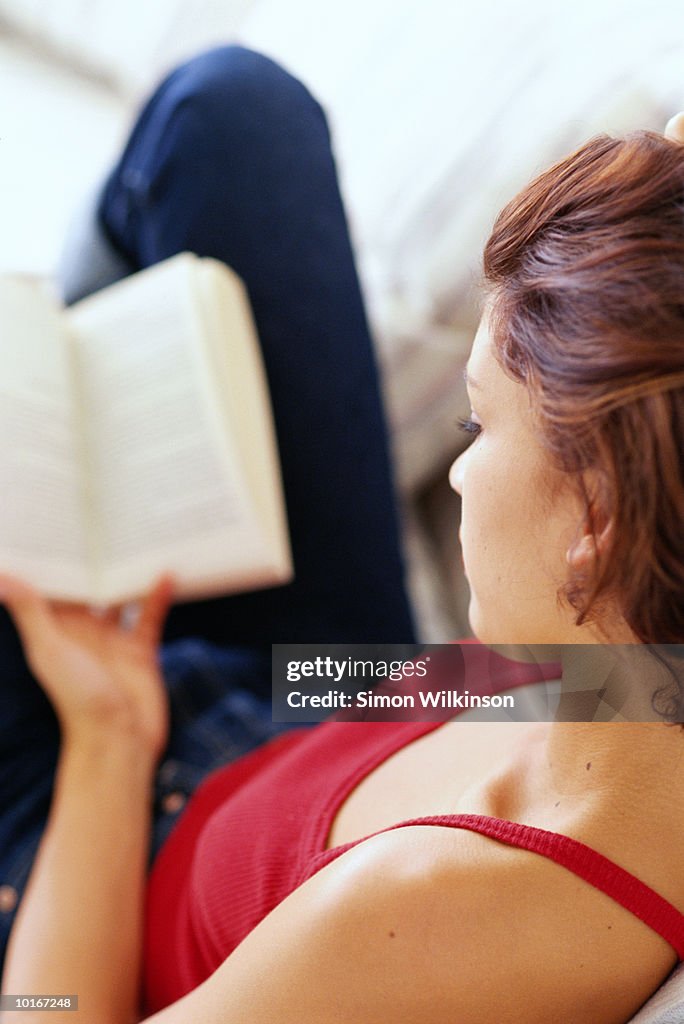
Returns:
(136,437)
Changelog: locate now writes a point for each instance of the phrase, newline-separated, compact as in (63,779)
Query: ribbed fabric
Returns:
(258,829)
(249,836)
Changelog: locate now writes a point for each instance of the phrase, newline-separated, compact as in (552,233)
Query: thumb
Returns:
(30,611)
(154,610)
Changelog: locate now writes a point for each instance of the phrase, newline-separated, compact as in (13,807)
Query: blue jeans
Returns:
(231,158)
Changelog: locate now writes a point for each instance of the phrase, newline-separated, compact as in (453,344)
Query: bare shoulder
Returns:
(477,930)
(428,923)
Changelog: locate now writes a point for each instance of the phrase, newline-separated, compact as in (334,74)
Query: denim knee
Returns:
(232,86)
(227,125)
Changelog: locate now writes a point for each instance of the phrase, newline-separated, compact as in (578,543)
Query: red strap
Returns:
(623,887)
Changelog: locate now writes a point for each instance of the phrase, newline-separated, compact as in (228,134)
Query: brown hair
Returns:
(585,268)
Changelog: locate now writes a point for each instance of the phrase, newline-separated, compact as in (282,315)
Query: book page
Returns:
(41,528)
(166,491)
(234,354)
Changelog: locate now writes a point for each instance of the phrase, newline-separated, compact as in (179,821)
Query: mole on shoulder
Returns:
(588,765)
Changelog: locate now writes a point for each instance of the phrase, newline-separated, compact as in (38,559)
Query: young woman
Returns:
(413,872)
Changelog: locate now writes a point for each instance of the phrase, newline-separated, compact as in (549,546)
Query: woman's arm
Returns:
(78,930)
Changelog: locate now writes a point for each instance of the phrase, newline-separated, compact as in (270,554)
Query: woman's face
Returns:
(520,514)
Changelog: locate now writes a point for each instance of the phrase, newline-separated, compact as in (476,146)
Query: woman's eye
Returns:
(469,426)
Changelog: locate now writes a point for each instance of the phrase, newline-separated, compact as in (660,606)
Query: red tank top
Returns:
(257,829)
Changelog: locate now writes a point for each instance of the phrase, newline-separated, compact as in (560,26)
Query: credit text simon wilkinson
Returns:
(394,671)
(370,699)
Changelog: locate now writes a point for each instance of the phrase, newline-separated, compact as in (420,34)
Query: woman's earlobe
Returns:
(582,552)
(589,545)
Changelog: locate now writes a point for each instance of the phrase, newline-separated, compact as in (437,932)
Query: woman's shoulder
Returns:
(473,929)
(430,923)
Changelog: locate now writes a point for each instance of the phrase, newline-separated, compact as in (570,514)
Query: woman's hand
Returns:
(100,672)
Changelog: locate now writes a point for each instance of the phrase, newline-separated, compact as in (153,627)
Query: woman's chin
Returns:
(507,639)
(540,635)
(475,620)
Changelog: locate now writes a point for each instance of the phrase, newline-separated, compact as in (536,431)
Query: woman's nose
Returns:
(456,475)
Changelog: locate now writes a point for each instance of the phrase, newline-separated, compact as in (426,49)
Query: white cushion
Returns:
(127,42)
(440,114)
(667,1005)
(59,132)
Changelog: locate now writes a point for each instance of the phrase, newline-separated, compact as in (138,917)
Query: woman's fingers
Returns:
(110,614)
(30,611)
(35,616)
(154,609)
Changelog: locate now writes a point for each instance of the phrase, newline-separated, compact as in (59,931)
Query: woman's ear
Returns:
(581,555)
(594,536)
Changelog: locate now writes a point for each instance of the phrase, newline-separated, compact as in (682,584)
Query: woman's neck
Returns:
(585,758)
(604,682)
(597,779)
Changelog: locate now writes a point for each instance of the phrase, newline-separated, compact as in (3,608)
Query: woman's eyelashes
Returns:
(470,426)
